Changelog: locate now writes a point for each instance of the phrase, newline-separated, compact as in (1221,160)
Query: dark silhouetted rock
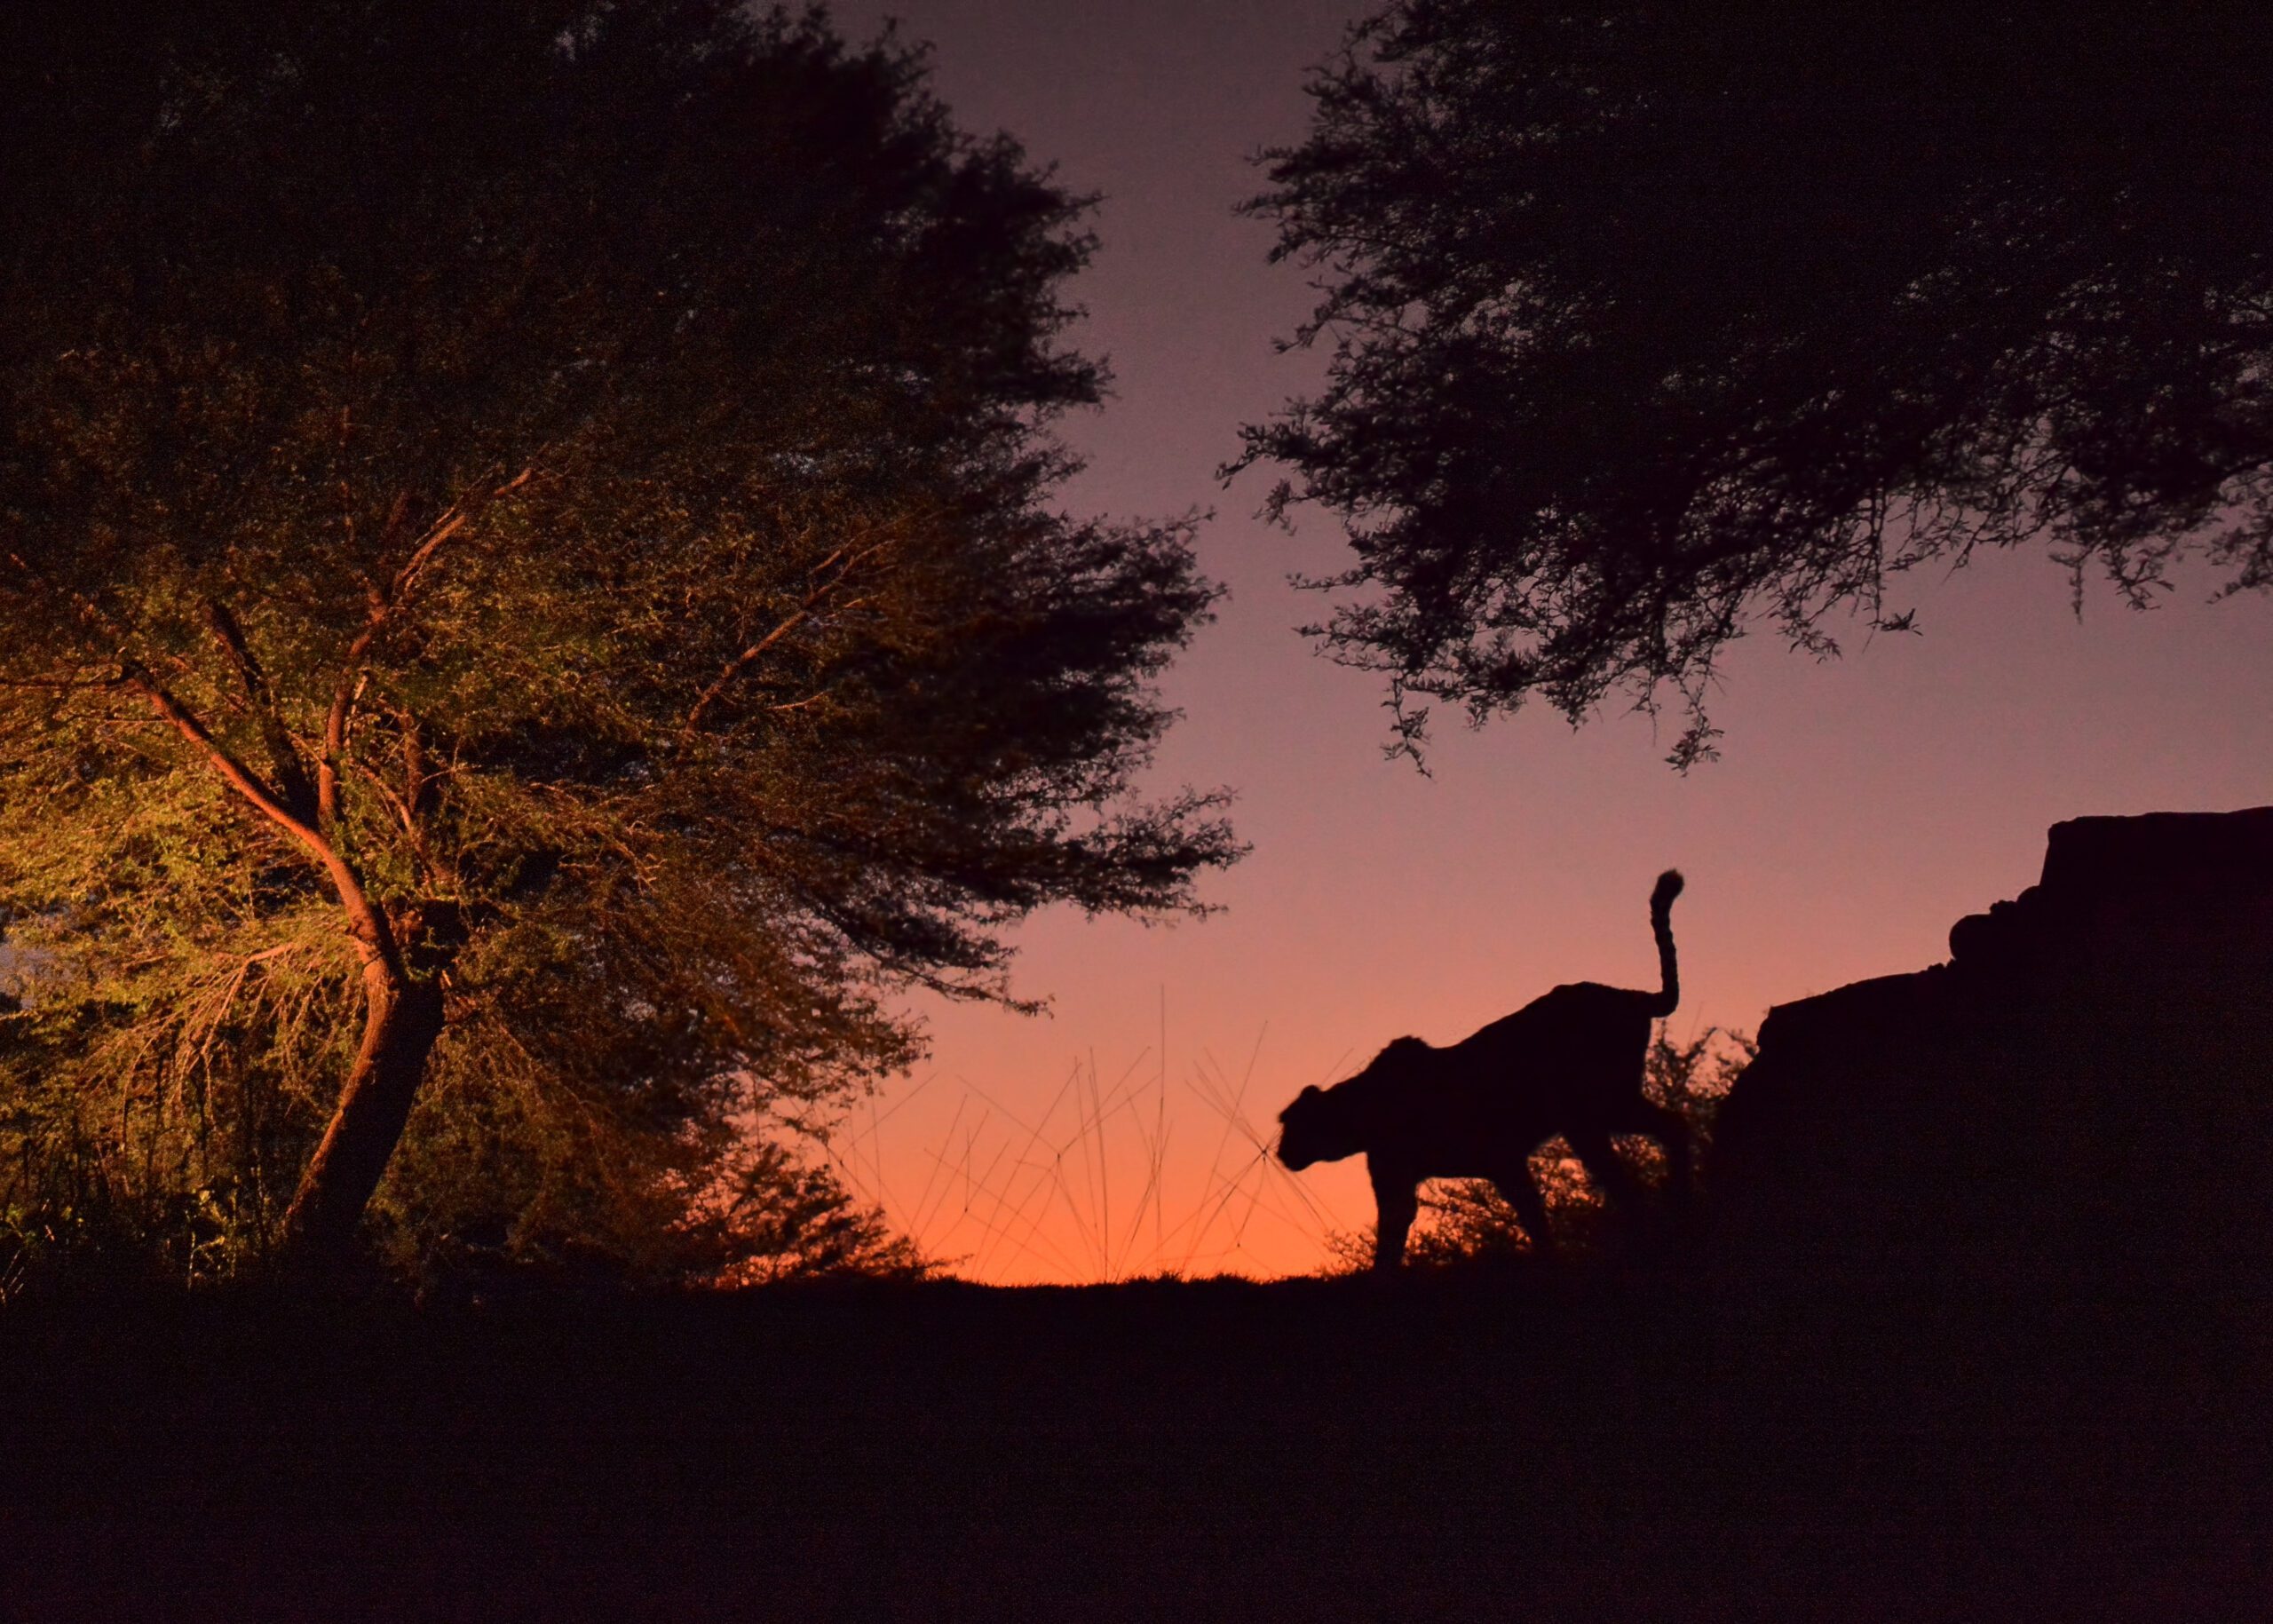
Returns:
(2075,1111)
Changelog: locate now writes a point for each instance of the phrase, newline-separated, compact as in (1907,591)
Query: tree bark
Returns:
(401,1020)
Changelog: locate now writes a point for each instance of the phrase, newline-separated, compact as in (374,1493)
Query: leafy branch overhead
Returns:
(1647,324)
(534,604)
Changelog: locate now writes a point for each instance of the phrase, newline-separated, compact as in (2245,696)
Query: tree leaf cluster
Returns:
(1649,322)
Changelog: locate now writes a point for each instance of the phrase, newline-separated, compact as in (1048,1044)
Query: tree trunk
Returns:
(402,1019)
(402,1016)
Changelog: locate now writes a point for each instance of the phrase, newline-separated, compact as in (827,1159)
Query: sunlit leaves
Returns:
(626,462)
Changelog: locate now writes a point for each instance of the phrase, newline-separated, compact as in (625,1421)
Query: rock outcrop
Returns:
(2077,1107)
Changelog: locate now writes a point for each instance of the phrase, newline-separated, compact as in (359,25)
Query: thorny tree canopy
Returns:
(532,517)
(1650,321)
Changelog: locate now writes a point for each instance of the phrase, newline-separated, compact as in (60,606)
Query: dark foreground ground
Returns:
(1551,1445)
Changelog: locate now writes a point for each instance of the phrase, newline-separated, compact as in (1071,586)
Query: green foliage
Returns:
(1649,322)
(588,467)
(1466,1221)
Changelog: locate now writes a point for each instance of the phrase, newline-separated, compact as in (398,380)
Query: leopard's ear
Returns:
(1310,1091)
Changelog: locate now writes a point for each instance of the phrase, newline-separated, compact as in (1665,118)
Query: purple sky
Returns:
(1860,807)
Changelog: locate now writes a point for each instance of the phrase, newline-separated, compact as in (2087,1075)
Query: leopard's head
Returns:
(1328,1124)
(1310,1130)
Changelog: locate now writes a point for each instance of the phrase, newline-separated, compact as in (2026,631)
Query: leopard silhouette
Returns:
(1570,1062)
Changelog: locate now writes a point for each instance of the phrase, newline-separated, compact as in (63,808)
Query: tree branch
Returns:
(406,814)
(340,716)
(739,664)
(291,777)
(365,921)
(842,561)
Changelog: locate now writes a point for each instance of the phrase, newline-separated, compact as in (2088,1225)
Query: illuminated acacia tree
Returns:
(1650,323)
(528,524)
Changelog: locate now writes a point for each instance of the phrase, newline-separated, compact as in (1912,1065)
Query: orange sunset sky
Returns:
(1859,808)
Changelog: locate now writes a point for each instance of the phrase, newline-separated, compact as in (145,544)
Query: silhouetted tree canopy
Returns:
(1649,323)
(533,609)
